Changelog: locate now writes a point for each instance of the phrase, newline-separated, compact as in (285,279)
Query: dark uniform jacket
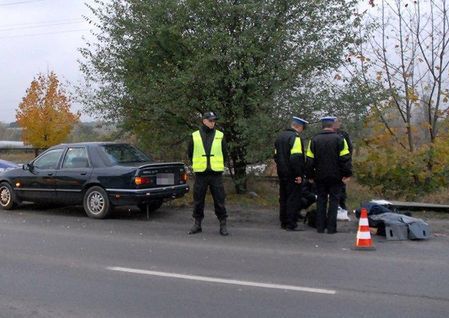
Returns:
(288,165)
(207,135)
(328,157)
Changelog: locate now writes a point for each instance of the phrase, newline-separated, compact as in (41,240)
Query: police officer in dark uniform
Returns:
(329,165)
(289,158)
(207,151)
(345,135)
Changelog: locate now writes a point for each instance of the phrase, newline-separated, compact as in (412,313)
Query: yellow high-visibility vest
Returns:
(297,146)
(199,159)
(310,153)
(345,150)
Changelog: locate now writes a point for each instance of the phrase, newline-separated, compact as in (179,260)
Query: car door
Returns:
(37,182)
(75,171)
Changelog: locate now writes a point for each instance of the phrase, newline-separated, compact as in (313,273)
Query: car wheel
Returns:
(152,205)
(96,203)
(7,197)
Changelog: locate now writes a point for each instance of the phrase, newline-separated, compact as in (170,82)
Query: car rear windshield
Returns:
(123,153)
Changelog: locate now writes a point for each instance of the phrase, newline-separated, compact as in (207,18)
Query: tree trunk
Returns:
(239,176)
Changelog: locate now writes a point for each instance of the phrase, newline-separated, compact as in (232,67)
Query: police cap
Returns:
(328,119)
(299,121)
(210,115)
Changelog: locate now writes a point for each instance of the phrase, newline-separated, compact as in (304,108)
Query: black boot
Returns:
(223,229)
(196,228)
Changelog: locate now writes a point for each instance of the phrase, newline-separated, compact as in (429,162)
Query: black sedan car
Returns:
(99,175)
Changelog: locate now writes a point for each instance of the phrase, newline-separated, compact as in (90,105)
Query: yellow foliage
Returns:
(412,95)
(394,169)
(378,76)
(44,113)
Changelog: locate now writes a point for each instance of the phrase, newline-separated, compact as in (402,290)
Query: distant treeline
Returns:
(83,131)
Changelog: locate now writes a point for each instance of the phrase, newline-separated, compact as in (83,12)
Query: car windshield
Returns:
(123,153)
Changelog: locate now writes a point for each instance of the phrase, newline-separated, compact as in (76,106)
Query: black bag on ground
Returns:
(373,209)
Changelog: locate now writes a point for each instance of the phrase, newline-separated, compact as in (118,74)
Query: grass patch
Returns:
(358,193)
(261,193)
(265,193)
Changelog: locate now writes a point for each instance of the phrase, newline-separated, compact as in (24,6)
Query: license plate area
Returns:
(165,178)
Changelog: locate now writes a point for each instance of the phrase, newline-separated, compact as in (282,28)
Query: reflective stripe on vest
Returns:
(297,146)
(309,150)
(199,159)
(345,150)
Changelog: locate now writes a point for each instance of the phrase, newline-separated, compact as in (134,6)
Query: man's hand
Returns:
(298,180)
(346,179)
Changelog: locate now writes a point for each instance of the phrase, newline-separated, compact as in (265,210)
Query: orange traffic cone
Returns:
(363,240)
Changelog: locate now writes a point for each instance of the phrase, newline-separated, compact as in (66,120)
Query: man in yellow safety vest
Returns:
(207,151)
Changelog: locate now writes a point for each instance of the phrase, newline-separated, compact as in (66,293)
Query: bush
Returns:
(394,171)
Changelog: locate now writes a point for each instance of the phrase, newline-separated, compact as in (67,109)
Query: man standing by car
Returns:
(207,151)
(289,158)
(329,165)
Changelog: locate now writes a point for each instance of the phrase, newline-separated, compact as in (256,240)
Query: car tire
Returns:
(152,205)
(96,203)
(7,197)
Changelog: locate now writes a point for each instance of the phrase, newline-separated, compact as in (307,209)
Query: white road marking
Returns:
(223,281)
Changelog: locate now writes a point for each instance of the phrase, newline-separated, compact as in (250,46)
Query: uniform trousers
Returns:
(328,192)
(214,181)
(290,194)
(343,197)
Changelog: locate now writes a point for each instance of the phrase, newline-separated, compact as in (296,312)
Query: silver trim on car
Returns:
(35,189)
(47,190)
(175,187)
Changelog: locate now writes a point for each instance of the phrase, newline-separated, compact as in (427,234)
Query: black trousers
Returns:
(343,197)
(215,183)
(290,194)
(328,192)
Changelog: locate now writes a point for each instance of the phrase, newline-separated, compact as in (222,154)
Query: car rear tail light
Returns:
(142,180)
(184,177)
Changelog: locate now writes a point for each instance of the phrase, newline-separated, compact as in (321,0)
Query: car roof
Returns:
(89,143)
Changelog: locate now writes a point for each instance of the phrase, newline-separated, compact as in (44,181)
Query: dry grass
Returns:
(265,194)
(440,197)
(358,193)
(260,193)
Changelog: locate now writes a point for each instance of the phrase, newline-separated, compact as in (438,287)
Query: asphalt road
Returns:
(58,263)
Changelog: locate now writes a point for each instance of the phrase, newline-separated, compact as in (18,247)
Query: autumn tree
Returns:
(44,113)
(408,58)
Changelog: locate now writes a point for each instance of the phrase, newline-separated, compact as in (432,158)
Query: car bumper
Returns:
(141,196)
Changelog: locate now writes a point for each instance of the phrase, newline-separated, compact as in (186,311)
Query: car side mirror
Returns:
(29,166)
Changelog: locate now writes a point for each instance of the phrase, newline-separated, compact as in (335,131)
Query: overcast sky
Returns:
(38,36)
